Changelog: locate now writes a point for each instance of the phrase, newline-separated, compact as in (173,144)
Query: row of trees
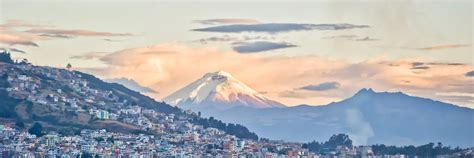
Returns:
(230,128)
(5,57)
(427,150)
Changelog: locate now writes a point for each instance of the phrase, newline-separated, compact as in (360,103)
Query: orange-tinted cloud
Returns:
(11,33)
(16,38)
(170,66)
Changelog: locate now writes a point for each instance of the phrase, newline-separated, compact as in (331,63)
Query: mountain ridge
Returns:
(370,117)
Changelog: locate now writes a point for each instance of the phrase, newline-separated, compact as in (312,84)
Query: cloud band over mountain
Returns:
(322,86)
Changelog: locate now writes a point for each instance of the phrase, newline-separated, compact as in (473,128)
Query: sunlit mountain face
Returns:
(217,79)
(222,90)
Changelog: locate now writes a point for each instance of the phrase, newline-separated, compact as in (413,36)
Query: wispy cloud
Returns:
(277,27)
(469,74)
(12,33)
(13,38)
(112,40)
(57,36)
(441,47)
(76,32)
(260,46)
(14,50)
(426,65)
(227,21)
(225,38)
(293,94)
(234,39)
(89,55)
(420,67)
(322,86)
(19,24)
(349,37)
(367,38)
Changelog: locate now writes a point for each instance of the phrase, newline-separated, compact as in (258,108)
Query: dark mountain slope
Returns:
(368,117)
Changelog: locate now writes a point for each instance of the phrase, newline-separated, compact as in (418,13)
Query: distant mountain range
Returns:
(369,117)
(131,84)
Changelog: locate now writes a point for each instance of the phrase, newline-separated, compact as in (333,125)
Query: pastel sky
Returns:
(295,52)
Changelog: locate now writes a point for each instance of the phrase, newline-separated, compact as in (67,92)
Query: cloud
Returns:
(18,24)
(260,46)
(12,38)
(293,94)
(111,40)
(426,65)
(277,27)
(441,47)
(77,32)
(225,38)
(227,21)
(233,39)
(367,38)
(415,64)
(13,50)
(469,74)
(133,85)
(170,66)
(89,55)
(349,37)
(420,67)
(322,86)
(57,36)
(456,94)
(12,33)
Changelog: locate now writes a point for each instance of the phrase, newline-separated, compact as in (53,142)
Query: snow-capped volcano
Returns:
(222,90)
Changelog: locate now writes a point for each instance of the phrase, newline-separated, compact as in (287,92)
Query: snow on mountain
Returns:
(220,89)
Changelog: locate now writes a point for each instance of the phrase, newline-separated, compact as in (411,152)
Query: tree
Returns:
(6,57)
(36,129)
(330,145)
(24,62)
(19,123)
(86,155)
(339,140)
(69,66)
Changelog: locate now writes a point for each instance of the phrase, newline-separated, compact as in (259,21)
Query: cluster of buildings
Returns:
(205,143)
(52,87)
